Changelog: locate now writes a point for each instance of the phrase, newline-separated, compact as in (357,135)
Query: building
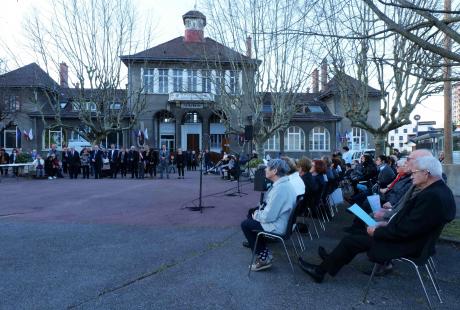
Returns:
(181,81)
(403,137)
(456,104)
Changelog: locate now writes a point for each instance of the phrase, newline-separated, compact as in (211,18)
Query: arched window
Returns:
(358,139)
(273,143)
(319,139)
(294,139)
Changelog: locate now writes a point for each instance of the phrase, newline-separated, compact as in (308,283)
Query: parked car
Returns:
(356,154)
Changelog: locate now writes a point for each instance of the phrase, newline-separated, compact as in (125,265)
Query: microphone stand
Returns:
(238,191)
(200,207)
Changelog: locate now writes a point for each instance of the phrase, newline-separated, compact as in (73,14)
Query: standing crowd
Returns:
(100,163)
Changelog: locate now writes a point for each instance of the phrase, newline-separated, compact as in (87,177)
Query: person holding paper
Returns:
(403,235)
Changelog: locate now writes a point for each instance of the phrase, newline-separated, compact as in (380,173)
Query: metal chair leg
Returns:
(434,282)
(433,265)
(253,255)
(309,232)
(366,291)
(289,257)
(423,285)
(313,221)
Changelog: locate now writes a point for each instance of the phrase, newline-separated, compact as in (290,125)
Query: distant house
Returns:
(33,99)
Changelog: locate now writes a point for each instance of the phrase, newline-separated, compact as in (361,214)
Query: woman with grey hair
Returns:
(273,214)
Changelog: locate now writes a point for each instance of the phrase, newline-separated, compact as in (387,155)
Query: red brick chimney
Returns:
(323,74)
(249,47)
(314,81)
(63,75)
(194,22)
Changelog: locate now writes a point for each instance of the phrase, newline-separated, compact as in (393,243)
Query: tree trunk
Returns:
(260,149)
(380,143)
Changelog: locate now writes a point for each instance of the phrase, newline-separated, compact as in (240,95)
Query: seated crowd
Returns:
(416,203)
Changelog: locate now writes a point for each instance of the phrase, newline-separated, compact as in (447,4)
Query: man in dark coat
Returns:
(133,162)
(386,174)
(96,161)
(113,161)
(73,159)
(406,233)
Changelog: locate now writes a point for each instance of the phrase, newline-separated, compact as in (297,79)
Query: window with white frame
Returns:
(358,139)
(220,81)
(149,81)
(234,84)
(192,80)
(294,139)
(216,141)
(115,106)
(273,143)
(84,106)
(115,137)
(53,136)
(178,80)
(206,81)
(163,81)
(319,139)
(11,138)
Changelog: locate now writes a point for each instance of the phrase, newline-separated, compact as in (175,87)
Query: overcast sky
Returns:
(167,21)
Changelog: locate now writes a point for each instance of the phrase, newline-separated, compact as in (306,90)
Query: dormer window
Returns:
(315,109)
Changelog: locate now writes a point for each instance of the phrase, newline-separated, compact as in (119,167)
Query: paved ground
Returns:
(130,244)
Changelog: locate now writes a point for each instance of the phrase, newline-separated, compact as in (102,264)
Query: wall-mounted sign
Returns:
(191,97)
(191,105)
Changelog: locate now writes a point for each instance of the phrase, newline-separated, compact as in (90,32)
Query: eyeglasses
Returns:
(417,170)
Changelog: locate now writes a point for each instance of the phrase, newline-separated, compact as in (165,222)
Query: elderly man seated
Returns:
(406,233)
(273,214)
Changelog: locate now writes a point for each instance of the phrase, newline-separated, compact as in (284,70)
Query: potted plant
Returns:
(252,165)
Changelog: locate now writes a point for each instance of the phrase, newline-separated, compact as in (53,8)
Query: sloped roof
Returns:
(30,75)
(306,99)
(332,87)
(179,50)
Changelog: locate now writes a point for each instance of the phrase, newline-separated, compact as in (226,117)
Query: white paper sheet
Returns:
(374,201)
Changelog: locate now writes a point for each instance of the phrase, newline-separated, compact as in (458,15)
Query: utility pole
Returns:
(447,93)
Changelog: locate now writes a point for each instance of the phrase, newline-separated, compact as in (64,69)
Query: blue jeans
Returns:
(250,229)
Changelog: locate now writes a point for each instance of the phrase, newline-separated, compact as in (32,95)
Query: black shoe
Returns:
(322,253)
(246,244)
(313,271)
(382,270)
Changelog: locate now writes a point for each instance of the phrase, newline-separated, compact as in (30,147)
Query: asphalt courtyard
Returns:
(132,244)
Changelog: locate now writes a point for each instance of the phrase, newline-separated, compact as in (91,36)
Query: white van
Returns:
(352,155)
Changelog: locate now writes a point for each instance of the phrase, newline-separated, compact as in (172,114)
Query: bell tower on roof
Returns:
(194,22)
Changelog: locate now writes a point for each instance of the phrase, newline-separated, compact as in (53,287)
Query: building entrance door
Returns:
(193,142)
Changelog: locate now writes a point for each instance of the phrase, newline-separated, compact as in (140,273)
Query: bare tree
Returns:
(281,63)
(392,62)
(89,36)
